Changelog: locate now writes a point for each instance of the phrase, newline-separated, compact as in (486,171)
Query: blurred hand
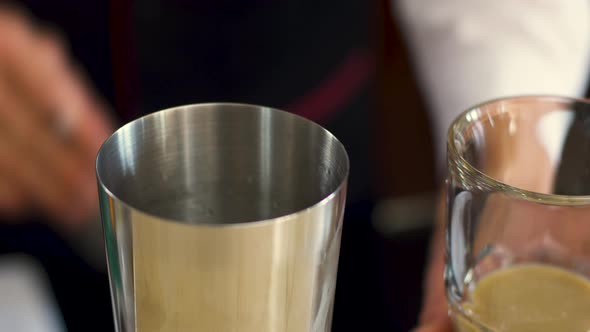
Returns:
(434,316)
(51,126)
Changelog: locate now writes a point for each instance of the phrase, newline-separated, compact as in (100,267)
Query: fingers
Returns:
(74,108)
(435,306)
(50,83)
(434,316)
(31,141)
(51,125)
(25,176)
(441,326)
(11,198)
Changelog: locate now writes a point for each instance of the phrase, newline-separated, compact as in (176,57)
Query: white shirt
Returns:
(470,51)
(26,300)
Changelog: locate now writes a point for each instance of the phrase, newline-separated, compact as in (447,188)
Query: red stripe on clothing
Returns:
(337,89)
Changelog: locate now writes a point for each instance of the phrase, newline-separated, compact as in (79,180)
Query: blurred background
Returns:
(343,64)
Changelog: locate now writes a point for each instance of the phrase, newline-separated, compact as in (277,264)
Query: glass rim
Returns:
(453,155)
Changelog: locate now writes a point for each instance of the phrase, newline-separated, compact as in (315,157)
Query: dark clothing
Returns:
(309,57)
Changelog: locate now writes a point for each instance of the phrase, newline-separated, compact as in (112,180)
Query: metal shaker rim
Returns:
(221,107)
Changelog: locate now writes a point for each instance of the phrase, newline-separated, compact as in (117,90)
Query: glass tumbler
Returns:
(222,217)
(518,216)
